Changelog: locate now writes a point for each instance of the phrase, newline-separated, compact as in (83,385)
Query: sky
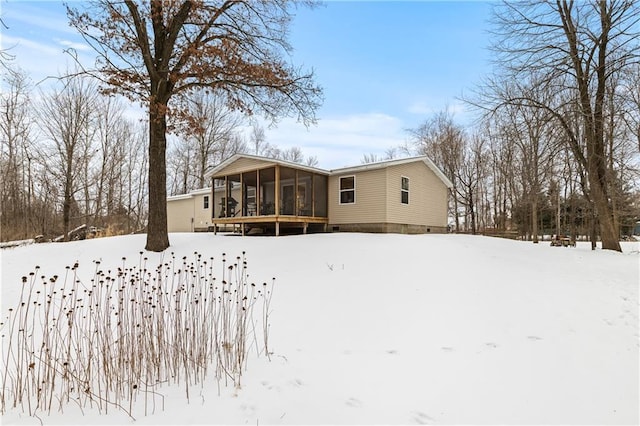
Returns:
(384,66)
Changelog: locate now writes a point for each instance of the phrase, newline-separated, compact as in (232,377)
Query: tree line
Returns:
(555,146)
(70,156)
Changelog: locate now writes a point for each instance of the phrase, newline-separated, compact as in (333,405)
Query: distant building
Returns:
(248,193)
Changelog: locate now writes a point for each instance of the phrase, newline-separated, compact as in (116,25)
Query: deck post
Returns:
(277,229)
(304,227)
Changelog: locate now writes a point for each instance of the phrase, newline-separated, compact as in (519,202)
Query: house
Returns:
(190,212)
(248,192)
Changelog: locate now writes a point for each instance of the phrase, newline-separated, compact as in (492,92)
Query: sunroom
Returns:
(258,194)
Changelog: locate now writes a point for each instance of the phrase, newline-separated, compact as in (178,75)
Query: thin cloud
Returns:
(420,108)
(459,110)
(21,43)
(341,141)
(74,45)
(22,13)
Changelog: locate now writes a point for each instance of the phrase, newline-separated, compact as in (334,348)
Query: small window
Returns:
(206,202)
(348,190)
(404,190)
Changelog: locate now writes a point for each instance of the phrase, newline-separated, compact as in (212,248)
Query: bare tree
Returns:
(389,154)
(502,160)
(135,175)
(470,179)
(15,156)
(211,132)
(293,154)
(440,138)
(531,132)
(579,47)
(258,138)
(158,51)
(65,118)
(190,159)
(631,98)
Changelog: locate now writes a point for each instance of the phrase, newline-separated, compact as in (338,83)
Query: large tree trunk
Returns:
(68,193)
(608,232)
(534,217)
(157,234)
(66,213)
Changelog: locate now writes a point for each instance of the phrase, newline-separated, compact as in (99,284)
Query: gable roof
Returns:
(397,162)
(353,169)
(284,163)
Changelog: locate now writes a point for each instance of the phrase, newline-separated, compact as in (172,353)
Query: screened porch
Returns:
(270,198)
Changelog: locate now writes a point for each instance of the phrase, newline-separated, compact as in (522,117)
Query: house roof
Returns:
(389,163)
(236,157)
(190,194)
(354,169)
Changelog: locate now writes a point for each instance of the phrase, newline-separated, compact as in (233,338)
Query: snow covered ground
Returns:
(396,329)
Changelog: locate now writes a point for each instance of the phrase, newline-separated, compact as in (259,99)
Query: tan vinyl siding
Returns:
(243,165)
(370,198)
(202,216)
(179,215)
(187,213)
(427,196)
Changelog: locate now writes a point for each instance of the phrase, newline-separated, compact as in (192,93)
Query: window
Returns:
(404,190)
(348,190)
(206,202)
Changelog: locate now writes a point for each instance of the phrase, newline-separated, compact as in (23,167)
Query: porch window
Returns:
(348,190)
(206,202)
(404,190)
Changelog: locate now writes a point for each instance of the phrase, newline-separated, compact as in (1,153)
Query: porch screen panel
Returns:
(218,197)
(267,191)
(249,192)
(304,193)
(320,185)
(232,203)
(287,191)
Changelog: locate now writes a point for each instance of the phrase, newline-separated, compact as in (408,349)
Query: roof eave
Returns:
(235,157)
(388,163)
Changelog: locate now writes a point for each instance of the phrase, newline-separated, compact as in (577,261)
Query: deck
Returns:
(275,220)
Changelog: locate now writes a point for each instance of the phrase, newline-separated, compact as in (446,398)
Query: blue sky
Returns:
(385,66)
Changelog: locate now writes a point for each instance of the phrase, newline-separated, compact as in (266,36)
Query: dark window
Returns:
(206,201)
(348,190)
(404,190)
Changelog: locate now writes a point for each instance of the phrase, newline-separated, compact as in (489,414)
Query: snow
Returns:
(398,329)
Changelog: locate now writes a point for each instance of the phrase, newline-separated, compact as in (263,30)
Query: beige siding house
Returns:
(254,193)
(190,212)
(406,196)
